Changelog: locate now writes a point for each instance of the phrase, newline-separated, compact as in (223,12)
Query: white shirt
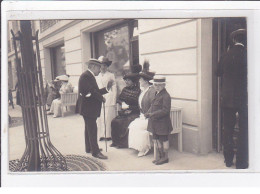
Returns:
(91,72)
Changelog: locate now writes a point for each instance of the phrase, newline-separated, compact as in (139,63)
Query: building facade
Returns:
(180,49)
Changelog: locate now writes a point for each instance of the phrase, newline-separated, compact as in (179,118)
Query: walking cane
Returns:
(105,125)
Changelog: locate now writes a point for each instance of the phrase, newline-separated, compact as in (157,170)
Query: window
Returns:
(120,45)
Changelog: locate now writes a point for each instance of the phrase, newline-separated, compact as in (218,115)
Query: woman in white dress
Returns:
(110,105)
(66,87)
(139,137)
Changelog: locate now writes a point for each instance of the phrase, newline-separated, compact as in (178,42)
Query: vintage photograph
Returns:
(135,95)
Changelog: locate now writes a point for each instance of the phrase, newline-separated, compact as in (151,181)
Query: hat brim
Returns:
(131,75)
(145,76)
(153,82)
(94,62)
(107,63)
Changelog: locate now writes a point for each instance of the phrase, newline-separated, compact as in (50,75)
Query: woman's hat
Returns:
(104,60)
(62,78)
(146,74)
(237,32)
(135,69)
(159,80)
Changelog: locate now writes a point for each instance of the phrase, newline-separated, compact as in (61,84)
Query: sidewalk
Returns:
(67,135)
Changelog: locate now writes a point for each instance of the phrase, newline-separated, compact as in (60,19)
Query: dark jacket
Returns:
(233,70)
(89,106)
(130,95)
(159,121)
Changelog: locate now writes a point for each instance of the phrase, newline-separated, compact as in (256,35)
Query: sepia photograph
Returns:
(127,95)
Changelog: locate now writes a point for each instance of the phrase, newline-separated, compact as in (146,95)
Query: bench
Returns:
(68,99)
(176,119)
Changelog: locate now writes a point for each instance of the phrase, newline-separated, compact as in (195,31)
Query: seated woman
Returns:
(129,100)
(66,87)
(52,93)
(139,137)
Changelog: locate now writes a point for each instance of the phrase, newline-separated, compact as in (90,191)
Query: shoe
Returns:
(162,161)
(120,146)
(100,156)
(154,161)
(146,152)
(140,154)
(101,139)
(113,145)
(229,163)
(109,139)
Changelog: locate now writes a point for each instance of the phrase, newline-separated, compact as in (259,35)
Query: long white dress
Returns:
(56,104)
(110,105)
(139,137)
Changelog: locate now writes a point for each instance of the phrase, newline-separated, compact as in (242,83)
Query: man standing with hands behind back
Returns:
(89,105)
(233,70)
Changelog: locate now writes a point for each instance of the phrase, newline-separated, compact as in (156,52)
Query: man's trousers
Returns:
(229,121)
(91,144)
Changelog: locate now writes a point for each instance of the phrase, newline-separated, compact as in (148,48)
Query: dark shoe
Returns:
(109,139)
(229,163)
(100,156)
(113,145)
(162,161)
(154,161)
(241,166)
(101,139)
(120,147)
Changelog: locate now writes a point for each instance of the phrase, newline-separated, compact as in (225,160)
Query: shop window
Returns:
(58,64)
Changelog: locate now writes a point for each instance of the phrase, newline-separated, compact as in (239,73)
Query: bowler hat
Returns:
(104,60)
(135,69)
(237,32)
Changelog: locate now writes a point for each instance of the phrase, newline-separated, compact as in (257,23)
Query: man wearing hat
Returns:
(89,105)
(159,123)
(233,70)
(104,124)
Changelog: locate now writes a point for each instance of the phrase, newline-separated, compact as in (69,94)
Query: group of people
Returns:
(143,110)
(54,90)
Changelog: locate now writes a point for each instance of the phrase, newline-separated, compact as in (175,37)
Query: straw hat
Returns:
(159,79)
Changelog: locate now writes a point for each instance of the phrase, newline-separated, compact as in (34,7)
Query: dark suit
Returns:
(233,70)
(90,108)
(159,122)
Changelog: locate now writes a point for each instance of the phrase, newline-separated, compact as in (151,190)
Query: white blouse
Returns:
(141,96)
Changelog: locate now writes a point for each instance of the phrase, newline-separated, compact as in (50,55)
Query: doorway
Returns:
(58,63)
(222,28)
